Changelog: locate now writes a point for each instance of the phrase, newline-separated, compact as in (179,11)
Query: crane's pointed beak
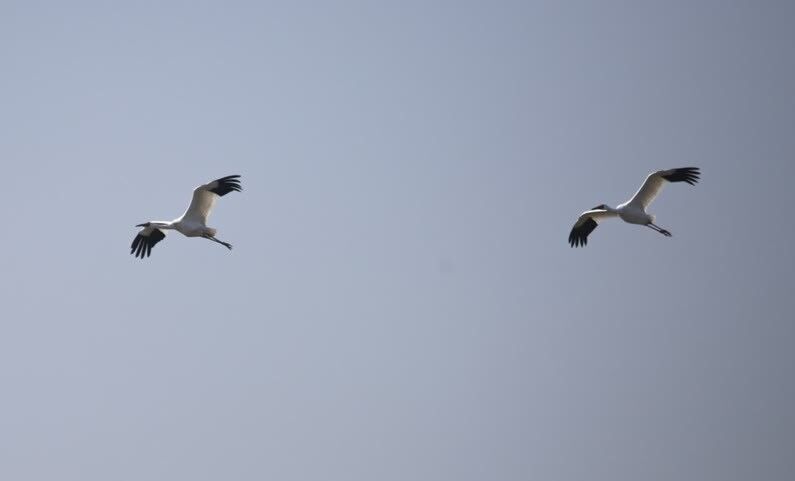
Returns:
(143,225)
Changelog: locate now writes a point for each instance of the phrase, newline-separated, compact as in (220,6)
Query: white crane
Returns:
(634,210)
(193,223)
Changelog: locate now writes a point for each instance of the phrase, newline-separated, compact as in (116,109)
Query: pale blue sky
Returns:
(401,303)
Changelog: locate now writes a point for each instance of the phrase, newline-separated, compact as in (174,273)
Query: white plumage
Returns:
(193,223)
(634,210)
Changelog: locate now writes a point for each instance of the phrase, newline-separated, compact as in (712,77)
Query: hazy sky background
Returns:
(401,303)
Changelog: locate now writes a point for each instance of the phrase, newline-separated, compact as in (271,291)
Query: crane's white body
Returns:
(634,210)
(193,222)
(631,214)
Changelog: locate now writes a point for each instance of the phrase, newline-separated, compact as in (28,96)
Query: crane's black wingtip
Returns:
(578,237)
(142,244)
(690,175)
(230,183)
(578,241)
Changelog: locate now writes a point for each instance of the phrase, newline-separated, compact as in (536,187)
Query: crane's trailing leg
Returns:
(659,229)
(212,238)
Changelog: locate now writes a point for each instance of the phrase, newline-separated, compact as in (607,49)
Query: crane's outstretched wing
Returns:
(204,197)
(655,181)
(145,240)
(585,224)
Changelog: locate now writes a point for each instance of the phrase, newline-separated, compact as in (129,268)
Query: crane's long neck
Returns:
(159,224)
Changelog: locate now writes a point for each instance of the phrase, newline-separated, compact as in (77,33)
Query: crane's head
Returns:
(145,224)
(600,207)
